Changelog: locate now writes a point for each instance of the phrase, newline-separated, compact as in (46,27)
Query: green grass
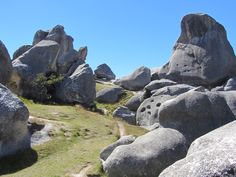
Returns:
(79,137)
(100,86)
(111,107)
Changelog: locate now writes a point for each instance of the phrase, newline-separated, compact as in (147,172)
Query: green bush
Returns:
(44,86)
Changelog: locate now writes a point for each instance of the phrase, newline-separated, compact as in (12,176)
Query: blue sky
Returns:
(125,34)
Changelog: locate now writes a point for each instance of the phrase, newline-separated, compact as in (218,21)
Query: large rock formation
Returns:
(5,64)
(211,155)
(148,155)
(196,113)
(202,55)
(78,88)
(147,113)
(137,80)
(52,53)
(13,123)
(103,71)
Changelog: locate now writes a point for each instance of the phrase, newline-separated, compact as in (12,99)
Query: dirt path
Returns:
(83,172)
(121,128)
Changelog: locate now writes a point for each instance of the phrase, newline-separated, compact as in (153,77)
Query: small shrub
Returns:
(44,86)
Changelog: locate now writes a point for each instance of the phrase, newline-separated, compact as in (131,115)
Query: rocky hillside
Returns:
(175,120)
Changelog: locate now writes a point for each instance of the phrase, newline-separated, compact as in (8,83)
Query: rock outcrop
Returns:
(213,154)
(109,95)
(202,55)
(196,113)
(147,113)
(78,88)
(103,71)
(148,155)
(137,80)
(5,65)
(13,123)
(52,53)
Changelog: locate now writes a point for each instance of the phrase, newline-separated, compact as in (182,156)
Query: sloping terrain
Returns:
(77,138)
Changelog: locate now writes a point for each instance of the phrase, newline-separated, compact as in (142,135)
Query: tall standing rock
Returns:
(202,55)
(5,64)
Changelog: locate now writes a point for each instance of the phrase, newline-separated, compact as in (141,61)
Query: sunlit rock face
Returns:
(202,55)
(53,54)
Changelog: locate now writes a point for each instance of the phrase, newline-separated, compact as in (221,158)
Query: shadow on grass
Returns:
(13,163)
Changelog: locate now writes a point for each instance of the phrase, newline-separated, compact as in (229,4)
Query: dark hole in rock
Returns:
(158,104)
(155,115)
(148,107)
(149,113)
(143,109)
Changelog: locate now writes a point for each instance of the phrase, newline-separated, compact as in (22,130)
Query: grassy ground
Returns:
(79,137)
(111,107)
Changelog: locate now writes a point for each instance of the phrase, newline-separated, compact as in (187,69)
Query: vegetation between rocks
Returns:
(77,139)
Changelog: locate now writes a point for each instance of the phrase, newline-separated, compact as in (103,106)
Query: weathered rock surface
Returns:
(155,73)
(147,113)
(83,52)
(196,113)
(39,59)
(79,87)
(109,95)
(124,140)
(155,85)
(39,131)
(5,64)
(103,71)
(39,36)
(125,114)
(231,84)
(148,155)
(13,123)
(21,50)
(52,53)
(137,80)
(134,102)
(211,155)
(202,55)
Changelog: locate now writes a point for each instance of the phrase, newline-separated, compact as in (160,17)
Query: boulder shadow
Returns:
(16,162)
(23,158)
